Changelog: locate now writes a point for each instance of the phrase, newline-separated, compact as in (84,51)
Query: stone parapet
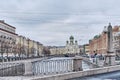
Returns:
(79,73)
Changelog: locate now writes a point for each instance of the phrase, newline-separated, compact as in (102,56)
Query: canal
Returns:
(105,76)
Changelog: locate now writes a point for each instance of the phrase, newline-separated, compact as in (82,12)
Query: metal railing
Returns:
(99,61)
(96,61)
(117,58)
(52,66)
(11,69)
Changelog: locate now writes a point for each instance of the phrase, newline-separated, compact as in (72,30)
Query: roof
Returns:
(2,21)
(8,31)
(71,37)
(96,36)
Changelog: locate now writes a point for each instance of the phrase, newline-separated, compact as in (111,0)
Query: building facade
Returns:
(71,47)
(7,39)
(99,44)
(14,45)
(56,50)
(28,47)
(117,41)
(86,49)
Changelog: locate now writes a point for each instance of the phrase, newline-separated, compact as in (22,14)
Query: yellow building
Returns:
(12,44)
(40,49)
(28,48)
(86,49)
(57,50)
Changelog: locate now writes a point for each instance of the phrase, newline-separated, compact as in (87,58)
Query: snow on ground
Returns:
(15,78)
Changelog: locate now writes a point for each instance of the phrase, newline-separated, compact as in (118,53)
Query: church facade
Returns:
(71,47)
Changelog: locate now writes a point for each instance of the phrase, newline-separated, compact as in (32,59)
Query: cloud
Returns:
(51,22)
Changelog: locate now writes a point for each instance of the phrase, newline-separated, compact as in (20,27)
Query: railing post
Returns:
(77,64)
(28,68)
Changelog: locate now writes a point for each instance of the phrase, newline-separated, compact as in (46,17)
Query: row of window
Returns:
(7,28)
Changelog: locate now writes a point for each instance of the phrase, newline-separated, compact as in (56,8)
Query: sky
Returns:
(52,22)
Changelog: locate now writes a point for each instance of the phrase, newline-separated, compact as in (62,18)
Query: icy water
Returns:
(105,76)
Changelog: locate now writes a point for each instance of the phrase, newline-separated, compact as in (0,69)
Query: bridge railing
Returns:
(117,58)
(98,61)
(11,69)
(41,67)
(52,66)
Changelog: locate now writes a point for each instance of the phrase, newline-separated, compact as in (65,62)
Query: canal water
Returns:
(104,76)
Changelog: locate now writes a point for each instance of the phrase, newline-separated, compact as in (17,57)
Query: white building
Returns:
(71,47)
(7,39)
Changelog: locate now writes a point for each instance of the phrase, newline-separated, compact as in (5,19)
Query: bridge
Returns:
(58,68)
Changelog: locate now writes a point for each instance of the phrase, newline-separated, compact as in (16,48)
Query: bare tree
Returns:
(46,51)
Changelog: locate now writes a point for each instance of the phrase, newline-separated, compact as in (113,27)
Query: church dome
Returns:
(71,37)
(67,41)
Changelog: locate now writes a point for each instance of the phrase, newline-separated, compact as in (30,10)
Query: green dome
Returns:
(67,41)
(71,37)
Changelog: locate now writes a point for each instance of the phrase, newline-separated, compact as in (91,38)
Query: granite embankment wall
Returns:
(79,73)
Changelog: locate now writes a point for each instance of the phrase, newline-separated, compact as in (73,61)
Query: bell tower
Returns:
(71,40)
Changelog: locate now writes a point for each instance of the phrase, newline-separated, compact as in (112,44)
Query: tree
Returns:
(46,51)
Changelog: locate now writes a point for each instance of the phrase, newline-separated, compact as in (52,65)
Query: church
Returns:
(71,47)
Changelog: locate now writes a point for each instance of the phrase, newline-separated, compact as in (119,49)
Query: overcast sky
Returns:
(51,22)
